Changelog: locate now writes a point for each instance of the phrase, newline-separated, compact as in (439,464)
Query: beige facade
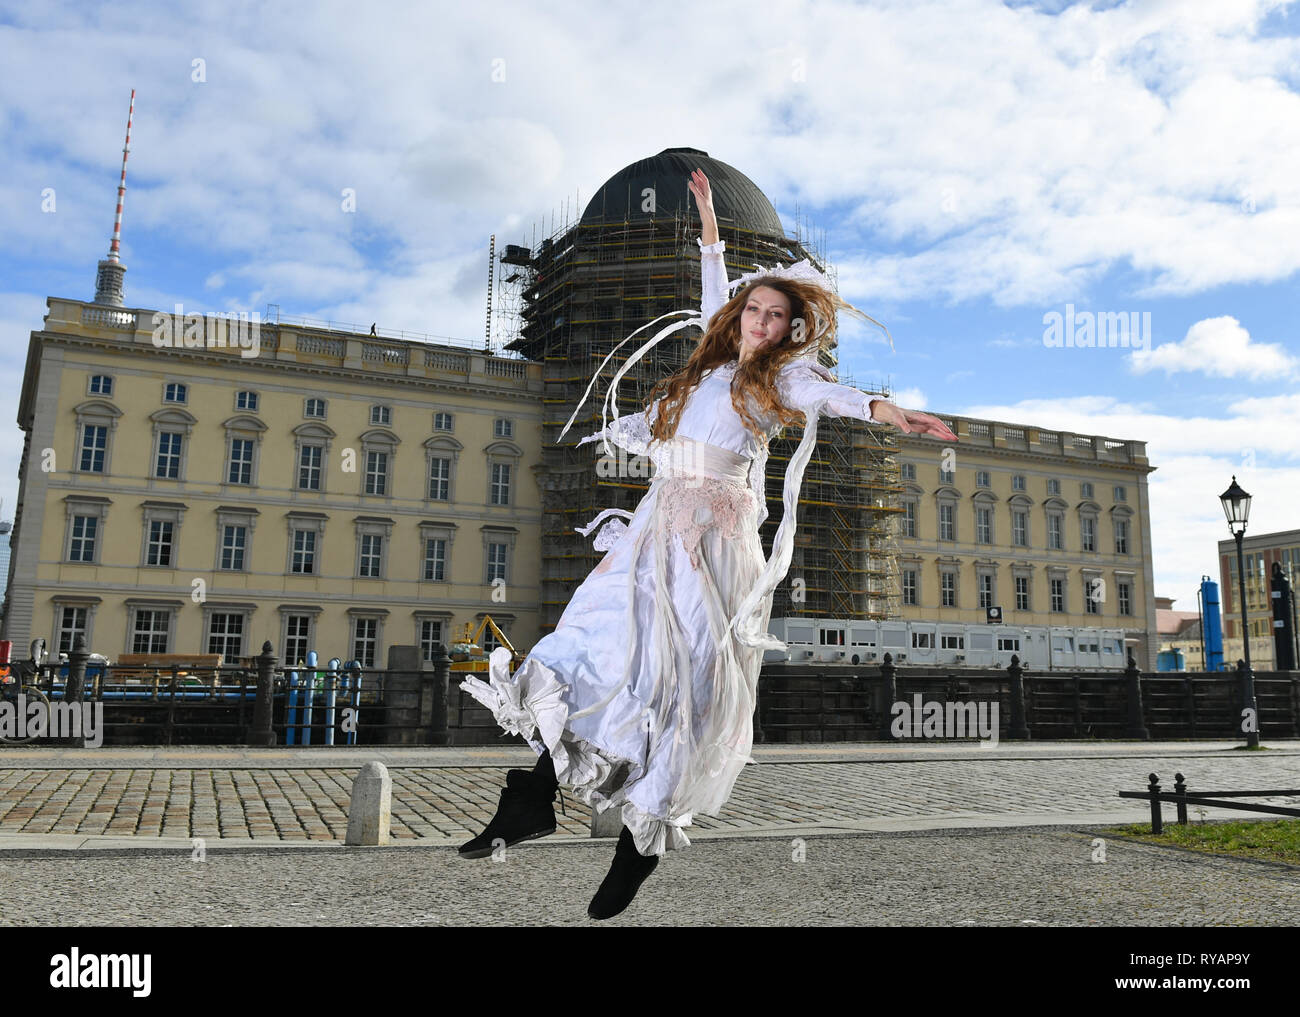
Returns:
(338,492)
(1052,527)
(322,490)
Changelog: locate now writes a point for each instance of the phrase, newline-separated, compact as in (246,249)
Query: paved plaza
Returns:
(813,835)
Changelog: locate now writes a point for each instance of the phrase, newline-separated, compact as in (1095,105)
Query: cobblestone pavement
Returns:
(280,797)
(1043,876)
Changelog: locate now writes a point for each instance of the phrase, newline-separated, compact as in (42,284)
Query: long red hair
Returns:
(753,389)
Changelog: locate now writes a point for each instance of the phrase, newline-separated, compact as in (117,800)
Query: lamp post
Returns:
(1236,506)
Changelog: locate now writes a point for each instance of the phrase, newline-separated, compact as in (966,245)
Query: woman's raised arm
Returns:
(713,270)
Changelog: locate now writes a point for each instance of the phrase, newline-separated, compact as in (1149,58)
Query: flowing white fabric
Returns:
(645,691)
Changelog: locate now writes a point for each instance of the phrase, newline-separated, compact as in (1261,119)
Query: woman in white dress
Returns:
(642,698)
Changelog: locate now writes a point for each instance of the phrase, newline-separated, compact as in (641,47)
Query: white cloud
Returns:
(1220,348)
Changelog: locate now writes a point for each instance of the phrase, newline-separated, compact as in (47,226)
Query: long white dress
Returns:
(645,691)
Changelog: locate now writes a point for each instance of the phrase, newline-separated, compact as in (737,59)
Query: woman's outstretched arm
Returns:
(802,388)
(713,270)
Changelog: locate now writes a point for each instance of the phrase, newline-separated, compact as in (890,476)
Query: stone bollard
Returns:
(606,824)
(370,807)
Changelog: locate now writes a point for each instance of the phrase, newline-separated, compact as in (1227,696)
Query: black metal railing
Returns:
(266,703)
(1180,797)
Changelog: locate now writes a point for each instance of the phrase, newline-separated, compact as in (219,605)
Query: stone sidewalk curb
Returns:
(142,844)
(238,757)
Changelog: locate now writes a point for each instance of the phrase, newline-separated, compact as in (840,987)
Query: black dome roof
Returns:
(735,196)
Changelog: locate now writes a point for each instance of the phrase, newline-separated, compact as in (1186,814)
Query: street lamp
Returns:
(1236,506)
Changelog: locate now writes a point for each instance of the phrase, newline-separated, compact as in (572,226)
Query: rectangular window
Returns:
(240,470)
(500,484)
(1009,644)
(159,551)
(304,552)
(986,590)
(168,466)
(984,526)
(442,421)
(1119,493)
(1058,595)
(150,632)
(947,476)
(1018,482)
(174,392)
(1020,528)
(297,628)
(909,471)
(72,623)
(909,519)
(226,636)
(84,531)
(309,465)
(1085,489)
(1022,593)
(365,641)
(314,408)
(101,384)
(1087,525)
(94,443)
(246,401)
(909,586)
(945,522)
(372,546)
(1053,487)
(1125,594)
(948,641)
(376,472)
(1121,536)
(1092,589)
(1054,532)
(981,478)
(948,589)
(381,415)
(435,559)
(496,561)
(234,539)
(430,635)
(439,479)
(923,640)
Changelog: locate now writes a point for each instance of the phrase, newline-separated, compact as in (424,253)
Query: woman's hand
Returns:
(910,421)
(699,186)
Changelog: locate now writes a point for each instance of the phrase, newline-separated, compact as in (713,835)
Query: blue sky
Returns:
(974,166)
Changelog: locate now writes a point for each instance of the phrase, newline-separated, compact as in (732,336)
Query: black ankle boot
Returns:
(625,876)
(525,812)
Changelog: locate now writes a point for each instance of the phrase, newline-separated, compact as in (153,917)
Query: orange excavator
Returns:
(467,653)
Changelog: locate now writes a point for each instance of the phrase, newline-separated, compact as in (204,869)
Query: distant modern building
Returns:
(1259,551)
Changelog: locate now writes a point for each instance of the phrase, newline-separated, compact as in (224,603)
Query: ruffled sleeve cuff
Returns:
(714,248)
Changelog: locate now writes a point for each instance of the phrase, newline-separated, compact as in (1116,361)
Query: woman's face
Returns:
(764,321)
